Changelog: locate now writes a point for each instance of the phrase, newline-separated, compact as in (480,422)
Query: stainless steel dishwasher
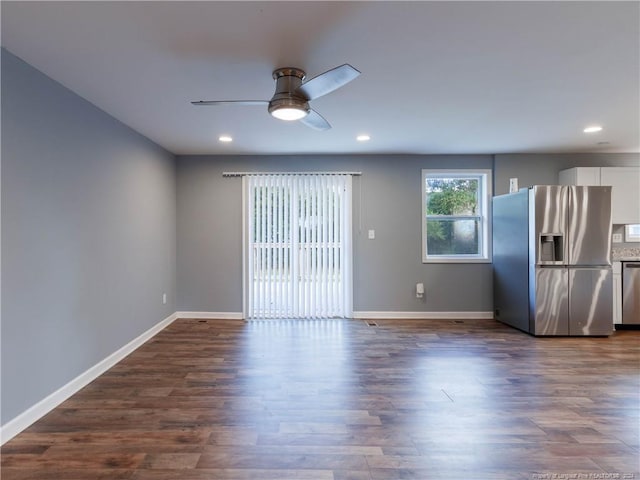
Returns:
(631,293)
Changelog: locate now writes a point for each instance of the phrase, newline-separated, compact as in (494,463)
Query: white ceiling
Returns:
(437,77)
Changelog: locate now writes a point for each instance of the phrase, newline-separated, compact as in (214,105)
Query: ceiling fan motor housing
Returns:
(288,80)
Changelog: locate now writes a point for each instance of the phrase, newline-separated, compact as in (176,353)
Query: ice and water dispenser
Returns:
(551,248)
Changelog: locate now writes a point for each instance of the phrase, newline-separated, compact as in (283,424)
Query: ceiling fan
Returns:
(292,96)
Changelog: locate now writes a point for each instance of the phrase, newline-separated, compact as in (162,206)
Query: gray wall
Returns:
(387,198)
(88,235)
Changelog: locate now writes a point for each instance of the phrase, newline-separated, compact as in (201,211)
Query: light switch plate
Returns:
(372,234)
(617,238)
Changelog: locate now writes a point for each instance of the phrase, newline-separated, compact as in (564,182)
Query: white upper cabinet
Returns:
(580,176)
(625,194)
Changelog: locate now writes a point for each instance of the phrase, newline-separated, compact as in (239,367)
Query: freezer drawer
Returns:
(590,301)
(631,293)
(550,315)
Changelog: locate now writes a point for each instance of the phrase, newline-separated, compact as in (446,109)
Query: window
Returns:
(455,216)
(632,233)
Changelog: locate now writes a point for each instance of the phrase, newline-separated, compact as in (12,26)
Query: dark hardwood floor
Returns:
(337,400)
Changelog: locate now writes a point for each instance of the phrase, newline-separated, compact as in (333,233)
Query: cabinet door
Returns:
(586,176)
(616,268)
(625,195)
(617,298)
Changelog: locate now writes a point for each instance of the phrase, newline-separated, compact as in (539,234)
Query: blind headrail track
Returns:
(248,174)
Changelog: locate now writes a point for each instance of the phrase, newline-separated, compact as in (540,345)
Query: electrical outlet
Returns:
(372,234)
(164,298)
(617,238)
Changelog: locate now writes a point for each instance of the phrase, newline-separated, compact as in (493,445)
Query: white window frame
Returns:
(484,197)
(632,233)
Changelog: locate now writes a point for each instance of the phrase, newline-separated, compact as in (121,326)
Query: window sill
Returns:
(456,260)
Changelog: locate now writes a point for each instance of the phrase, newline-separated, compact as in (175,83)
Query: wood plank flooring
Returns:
(342,400)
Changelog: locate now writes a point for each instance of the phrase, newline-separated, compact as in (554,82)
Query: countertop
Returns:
(625,254)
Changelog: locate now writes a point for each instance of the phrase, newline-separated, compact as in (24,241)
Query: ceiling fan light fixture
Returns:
(289,113)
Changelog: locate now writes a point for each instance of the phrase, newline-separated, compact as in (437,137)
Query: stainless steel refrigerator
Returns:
(552,260)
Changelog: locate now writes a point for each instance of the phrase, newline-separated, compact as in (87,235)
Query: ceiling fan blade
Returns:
(315,121)
(230,102)
(328,81)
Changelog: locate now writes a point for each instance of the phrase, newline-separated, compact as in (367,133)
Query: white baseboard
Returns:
(211,315)
(423,315)
(44,406)
(357,315)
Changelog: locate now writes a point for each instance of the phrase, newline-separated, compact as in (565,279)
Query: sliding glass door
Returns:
(297,246)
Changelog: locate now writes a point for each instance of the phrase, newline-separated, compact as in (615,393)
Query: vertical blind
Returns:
(297,247)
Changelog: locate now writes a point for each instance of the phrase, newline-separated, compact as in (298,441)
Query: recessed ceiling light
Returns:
(592,129)
(225,138)
(363,138)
